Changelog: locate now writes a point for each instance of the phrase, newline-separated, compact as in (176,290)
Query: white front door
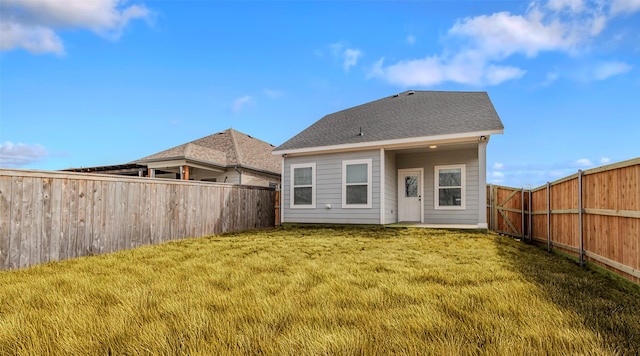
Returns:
(410,194)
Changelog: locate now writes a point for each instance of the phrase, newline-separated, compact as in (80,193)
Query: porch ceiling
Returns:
(439,147)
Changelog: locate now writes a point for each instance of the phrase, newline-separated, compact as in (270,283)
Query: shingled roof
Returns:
(406,115)
(228,149)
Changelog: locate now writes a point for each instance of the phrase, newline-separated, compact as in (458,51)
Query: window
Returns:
(356,184)
(303,185)
(411,186)
(449,187)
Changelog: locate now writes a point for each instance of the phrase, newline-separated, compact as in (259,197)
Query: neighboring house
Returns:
(229,156)
(417,156)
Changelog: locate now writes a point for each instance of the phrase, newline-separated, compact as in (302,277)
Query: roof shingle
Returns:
(229,148)
(409,114)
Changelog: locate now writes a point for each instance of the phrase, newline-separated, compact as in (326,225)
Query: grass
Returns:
(340,290)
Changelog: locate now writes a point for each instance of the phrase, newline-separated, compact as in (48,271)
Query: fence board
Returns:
(98,225)
(133,216)
(88,220)
(81,217)
(45,227)
(5,220)
(28,241)
(121,235)
(56,216)
(49,216)
(111,231)
(76,214)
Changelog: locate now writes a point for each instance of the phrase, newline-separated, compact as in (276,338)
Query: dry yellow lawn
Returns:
(298,291)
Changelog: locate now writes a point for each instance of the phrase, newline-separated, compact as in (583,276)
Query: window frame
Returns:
(369,184)
(292,204)
(436,183)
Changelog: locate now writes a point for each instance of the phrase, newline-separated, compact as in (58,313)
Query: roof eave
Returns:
(211,164)
(183,158)
(397,143)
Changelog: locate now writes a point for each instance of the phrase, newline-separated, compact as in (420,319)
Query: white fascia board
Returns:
(182,162)
(166,164)
(391,144)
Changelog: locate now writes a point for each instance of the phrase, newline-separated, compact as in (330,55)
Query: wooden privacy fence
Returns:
(593,215)
(50,216)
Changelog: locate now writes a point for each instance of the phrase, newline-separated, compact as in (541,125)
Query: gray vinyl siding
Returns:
(428,161)
(329,190)
(390,188)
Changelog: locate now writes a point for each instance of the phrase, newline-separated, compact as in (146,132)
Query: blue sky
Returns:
(102,82)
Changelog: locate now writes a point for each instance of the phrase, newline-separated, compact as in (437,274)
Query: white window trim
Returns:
(369,163)
(313,186)
(436,193)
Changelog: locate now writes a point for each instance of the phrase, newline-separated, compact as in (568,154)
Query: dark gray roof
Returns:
(410,114)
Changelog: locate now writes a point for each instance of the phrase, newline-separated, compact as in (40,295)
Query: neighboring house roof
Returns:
(228,149)
(409,114)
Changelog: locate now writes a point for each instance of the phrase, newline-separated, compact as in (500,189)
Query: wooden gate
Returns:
(508,208)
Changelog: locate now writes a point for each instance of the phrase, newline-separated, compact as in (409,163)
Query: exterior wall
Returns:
(390,188)
(329,190)
(230,176)
(200,174)
(258,179)
(428,161)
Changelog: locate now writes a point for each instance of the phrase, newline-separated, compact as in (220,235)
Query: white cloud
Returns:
(605,70)
(35,39)
(498,165)
(550,78)
(32,24)
(569,5)
(619,7)
(16,155)
(240,103)
(348,56)
(434,70)
(411,39)
(273,93)
(501,34)
(583,162)
(497,74)
(351,57)
(495,177)
(480,45)
(605,160)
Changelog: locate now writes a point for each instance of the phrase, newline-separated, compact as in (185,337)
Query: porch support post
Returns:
(283,187)
(184,172)
(152,173)
(482,183)
(382,187)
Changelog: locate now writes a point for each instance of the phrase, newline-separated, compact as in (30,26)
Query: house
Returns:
(417,156)
(229,156)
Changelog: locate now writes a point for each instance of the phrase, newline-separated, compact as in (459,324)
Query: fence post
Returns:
(277,206)
(494,214)
(548,217)
(530,227)
(490,207)
(580,217)
(522,205)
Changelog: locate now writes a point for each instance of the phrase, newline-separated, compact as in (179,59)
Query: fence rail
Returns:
(593,215)
(50,216)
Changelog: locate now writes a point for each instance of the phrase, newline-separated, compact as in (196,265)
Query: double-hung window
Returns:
(449,187)
(303,185)
(356,183)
